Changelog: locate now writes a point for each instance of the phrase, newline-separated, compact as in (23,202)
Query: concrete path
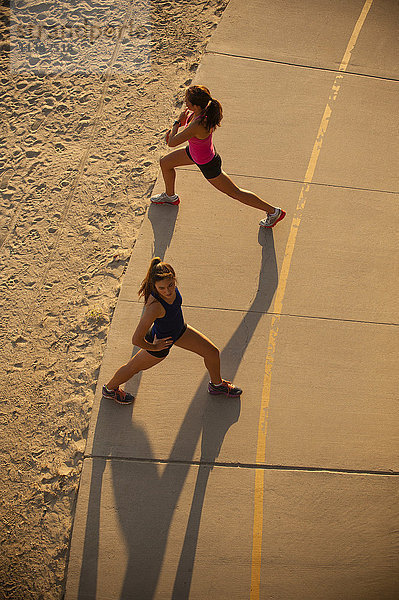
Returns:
(290,492)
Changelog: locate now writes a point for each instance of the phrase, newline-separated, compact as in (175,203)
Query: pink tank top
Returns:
(202,151)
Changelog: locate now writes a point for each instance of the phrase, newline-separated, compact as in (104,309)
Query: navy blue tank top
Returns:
(172,323)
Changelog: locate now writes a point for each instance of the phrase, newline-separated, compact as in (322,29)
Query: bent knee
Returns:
(166,162)
(214,352)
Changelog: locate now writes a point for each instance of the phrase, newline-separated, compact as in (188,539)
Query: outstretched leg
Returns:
(224,184)
(196,342)
(178,158)
(139,362)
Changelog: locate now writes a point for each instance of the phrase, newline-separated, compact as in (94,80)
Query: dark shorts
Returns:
(149,337)
(211,169)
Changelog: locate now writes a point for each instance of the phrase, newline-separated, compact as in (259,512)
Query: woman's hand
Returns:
(162,344)
(175,138)
(183,117)
(167,135)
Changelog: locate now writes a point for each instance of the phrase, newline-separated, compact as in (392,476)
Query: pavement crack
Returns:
(313,183)
(290,315)
(299,65)
(240,465)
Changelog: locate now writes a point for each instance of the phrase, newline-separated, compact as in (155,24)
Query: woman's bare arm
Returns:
(153,310)
(193,129)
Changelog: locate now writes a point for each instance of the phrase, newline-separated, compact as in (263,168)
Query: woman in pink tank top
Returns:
(200,119)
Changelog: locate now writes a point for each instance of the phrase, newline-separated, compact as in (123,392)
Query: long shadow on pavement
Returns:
(145,496)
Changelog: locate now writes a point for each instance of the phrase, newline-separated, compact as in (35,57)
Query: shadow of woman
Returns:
(145,495)
(163,225)
(163,221)
(213,416)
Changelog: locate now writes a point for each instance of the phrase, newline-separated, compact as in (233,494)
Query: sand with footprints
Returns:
(88,90)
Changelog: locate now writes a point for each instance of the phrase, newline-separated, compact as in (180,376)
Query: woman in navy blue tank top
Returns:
(161,326)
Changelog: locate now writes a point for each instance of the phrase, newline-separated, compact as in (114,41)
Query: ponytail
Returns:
(157,271)
(212,115)
(212,112)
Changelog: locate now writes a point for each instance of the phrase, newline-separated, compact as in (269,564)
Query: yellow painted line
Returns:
(278,307)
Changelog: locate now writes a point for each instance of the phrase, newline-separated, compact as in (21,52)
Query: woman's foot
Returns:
(165,199)
(226,387)
(118,395)
(273,218)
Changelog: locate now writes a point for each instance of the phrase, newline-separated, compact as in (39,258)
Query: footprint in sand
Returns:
(32,153)
(19,341)
(46,109)
(136,171)
(85,98)
(6,178)
(36,125)
(31,140)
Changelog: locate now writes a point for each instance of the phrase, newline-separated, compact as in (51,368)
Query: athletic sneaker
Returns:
(226,387)
(118,395)
(165,199)
(272,220)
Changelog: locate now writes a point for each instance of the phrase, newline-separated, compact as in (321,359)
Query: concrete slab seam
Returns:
(238,465)
(300,182)
(282,314)
(289,64)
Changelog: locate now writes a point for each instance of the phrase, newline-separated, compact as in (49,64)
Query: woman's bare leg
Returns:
(177,158)
(139,362)
(196,342)
(224,184)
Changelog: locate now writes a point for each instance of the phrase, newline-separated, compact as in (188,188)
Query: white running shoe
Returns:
(272,220)
(165,199)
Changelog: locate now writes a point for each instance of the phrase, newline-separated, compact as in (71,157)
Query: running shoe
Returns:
(272,220)
(226,388)
(118,395)
(165,199)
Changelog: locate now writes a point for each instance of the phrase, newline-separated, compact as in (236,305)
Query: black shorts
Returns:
(211,169)
(149,337)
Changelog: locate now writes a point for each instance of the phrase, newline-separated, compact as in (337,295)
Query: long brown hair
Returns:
(212,112)
(157,271)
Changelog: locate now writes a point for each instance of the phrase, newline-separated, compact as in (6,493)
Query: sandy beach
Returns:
(88,91)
